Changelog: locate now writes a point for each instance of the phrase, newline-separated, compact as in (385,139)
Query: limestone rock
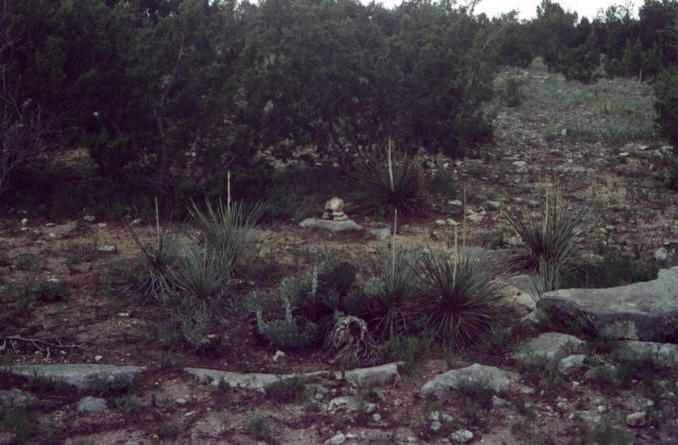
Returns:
(637,419)
(373,376)
(83,376)
(571,364)
(661,254)
(254,380)
(334,226)
(549,347)
(487,376)
(461,436)
(337,439)
(91,404)
(663,355)
(646,311)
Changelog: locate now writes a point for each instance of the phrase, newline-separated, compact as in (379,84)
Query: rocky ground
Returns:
(602,370)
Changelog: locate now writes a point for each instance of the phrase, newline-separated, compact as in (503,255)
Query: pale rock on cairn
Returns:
(334,210)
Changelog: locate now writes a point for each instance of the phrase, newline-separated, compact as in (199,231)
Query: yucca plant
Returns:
(461,298)
(198,273)
(391,289)
(549,237)
(380,189)
(227,229)
(160,256)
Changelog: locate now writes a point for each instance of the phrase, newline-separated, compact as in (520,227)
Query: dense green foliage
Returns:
(168,95)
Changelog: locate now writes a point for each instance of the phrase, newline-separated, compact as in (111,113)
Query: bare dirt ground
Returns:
(632,211)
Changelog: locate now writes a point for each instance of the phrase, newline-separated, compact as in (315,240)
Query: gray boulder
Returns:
(548,348)
(645,311)
(488,377)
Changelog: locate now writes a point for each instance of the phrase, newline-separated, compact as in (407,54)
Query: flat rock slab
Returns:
(82,376)
(246,380)
(662,355)
(475,375)
(548,348)
(646,311)
(327,224)
(373,376)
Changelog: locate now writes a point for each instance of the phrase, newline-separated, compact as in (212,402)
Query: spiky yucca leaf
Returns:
(461,301)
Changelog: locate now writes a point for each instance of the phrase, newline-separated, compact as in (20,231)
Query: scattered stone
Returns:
(661,254)
(181,401)
(455,203)
(123,314)
(89,218)
(571,364)
(337,439)
(98,358)
(646,311)
(278,355)
(435,426)
(461,436)
(107,249)
(91,404)
(24,221)
(601,409)
(637,419)
(441,222)
(493,205)
(376,417)
(334,226)
(485,376)
(451,222)
(62,230)
(102,225)
(549,347)
(135,222)
(527,390)
(373,376)
(474,216)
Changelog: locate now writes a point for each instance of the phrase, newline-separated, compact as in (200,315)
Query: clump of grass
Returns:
(408,349)
(19,422)
(259,426)
(29,262)
(286,389)
(460,302)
